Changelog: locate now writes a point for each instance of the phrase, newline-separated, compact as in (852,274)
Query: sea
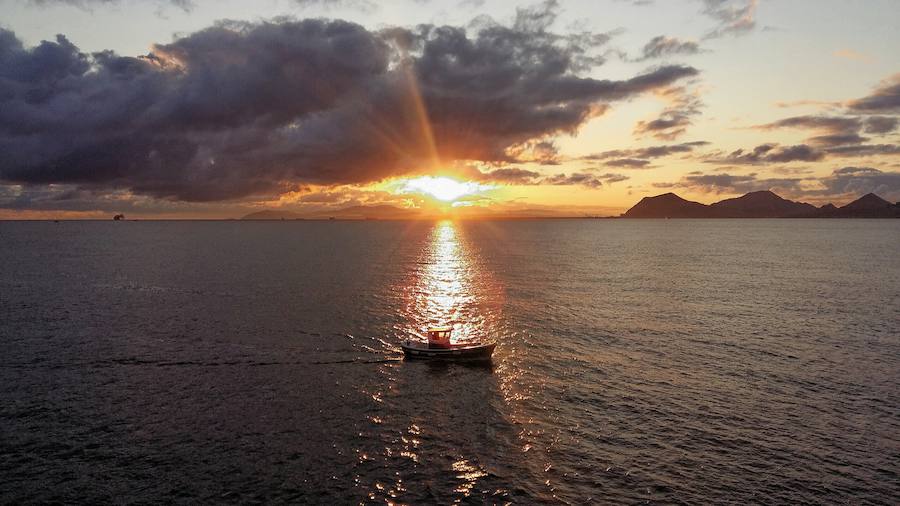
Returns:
(637,362)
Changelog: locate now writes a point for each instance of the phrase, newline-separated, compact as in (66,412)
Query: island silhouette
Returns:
(760,204)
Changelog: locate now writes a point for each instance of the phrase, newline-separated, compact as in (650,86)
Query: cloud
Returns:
(668,126)
(242,109)
(734,17)
(837,139)
(732,184)
(640,158)
(855,181)
(581,179)
(836,130)
(769,153)
(185,5)
(800,152)
(662,46)
(829,124)
(72,198)
(628,163)
(881,124)
(885,98)
(875,114)
(544,152)
(838,136)
(865,150)
(510,175)
(610,178)
(648,152)
(674,120)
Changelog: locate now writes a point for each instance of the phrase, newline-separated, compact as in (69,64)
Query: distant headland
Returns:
(760,204)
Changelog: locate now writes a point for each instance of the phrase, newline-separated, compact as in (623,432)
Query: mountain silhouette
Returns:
(869,206)
(667,205)
(760,204)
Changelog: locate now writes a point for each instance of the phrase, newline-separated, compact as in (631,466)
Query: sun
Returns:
(443,188)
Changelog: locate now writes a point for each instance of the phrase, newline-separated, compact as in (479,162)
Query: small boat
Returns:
(437,346)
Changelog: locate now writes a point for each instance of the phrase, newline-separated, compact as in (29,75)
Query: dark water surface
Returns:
(685,361)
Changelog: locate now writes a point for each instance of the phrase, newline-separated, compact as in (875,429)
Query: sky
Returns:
(216,109)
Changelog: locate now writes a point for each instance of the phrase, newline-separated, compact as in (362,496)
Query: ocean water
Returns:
(673,361)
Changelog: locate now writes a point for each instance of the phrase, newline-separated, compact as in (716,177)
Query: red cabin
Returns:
(439,337)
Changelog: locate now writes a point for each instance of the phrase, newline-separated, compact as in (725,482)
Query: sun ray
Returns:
(422,115)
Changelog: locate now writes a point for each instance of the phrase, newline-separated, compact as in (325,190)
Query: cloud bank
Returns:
(246,109)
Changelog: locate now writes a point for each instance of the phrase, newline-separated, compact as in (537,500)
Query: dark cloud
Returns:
(800,152)
(733,17)
(792,170)
(829,146)
(640,158)
(864,150)
(674,120)
(82,199)
(243,109)
(583,179)
(835,125)
(729,183)
(589,180)
(881,124)
(838,131)
(885,98)
(544,152)
(628,163)
(855,181)
(610,178)
(511,175)
(836,139)
(667,127)
(662,46)
(648,152)
(770,153)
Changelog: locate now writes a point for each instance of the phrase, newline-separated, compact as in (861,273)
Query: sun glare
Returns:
(443,188)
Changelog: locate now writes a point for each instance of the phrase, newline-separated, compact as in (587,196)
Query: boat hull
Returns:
(470,353)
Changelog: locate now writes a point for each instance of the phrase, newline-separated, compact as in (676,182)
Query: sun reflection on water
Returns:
(447,280)
(445,288)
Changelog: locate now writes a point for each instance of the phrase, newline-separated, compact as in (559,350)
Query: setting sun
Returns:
(443,188)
